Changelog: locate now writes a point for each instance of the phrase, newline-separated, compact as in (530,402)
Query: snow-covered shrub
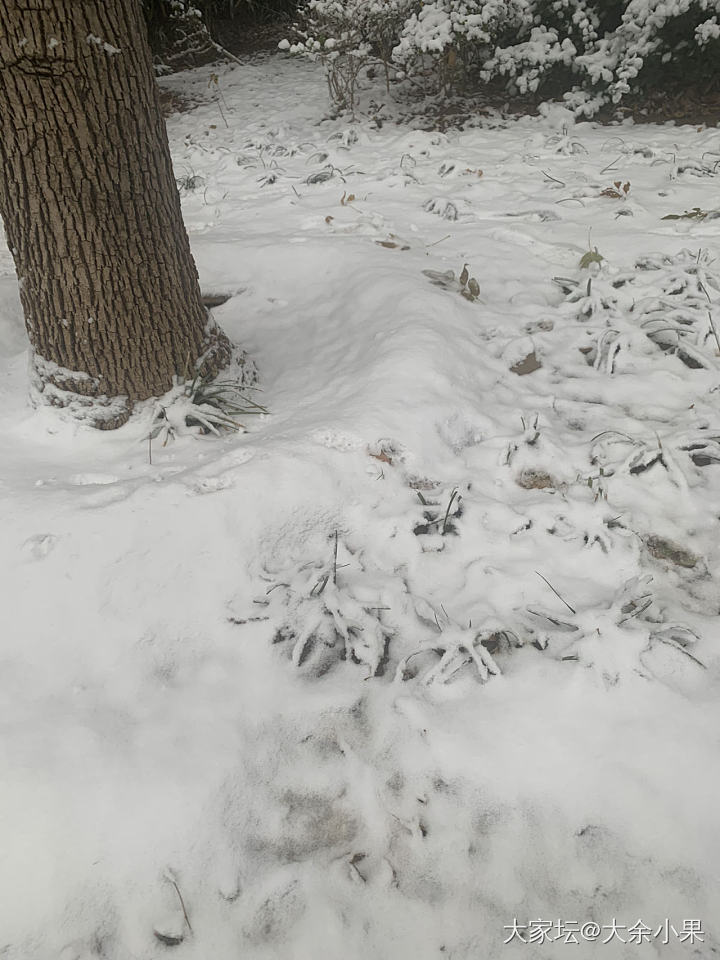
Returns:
(348,37)
(446,41)
(178,35)
(325,611)
(592,52)
(666,303)
(552,34)
(615,640)
(201,405)
(655,43)
(452,650)
(610,52)
(679,453)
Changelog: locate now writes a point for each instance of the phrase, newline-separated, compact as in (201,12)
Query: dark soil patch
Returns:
(694,106)
(173,102)
(247,39)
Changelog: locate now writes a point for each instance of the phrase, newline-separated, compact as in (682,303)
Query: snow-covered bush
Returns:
(551,35)
(347,37)
(616,641)
(592,52)
(178,35)
(201,405)
(448,40)
(328,609)
(601,52)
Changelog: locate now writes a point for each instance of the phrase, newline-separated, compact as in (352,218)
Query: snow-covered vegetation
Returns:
(590,52)
(424,658)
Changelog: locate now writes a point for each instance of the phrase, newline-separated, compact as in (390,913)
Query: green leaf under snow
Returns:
(592,256)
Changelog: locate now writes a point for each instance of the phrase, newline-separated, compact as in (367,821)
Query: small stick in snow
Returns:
(435,242)
(710,316)
(224,52)
(571,609)
(447,512)
(554,179)
(680,648)
(714,330)
(320,586)
(335,558)
(610,165)
(354,864)
(169,876)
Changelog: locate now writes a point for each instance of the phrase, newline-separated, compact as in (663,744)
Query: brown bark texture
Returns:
(91,209)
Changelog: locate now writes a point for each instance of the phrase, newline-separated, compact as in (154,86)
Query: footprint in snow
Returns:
(91,479)
(275,914)
(39,545)
(535,216)
(337,440)
(75,951)
(211,484)
(103,498)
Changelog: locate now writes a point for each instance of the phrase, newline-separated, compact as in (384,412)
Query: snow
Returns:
(488,514)
(102,44)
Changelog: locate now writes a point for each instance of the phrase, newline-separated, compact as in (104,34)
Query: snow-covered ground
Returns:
(524,481)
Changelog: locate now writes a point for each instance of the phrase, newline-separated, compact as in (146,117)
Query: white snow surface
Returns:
(153,748)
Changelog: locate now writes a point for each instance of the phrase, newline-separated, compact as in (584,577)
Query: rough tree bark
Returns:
(91,210)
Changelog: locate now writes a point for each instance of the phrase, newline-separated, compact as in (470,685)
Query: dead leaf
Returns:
(321,176)
(529,365)
(381,456)
(617,191)
(695,214)
(169,938)
(211,300)
(446,279)
(329,219)
(387,243)
(592,256)
(663,549)
(536,480)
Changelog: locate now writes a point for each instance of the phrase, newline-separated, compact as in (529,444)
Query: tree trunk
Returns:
(91,210)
